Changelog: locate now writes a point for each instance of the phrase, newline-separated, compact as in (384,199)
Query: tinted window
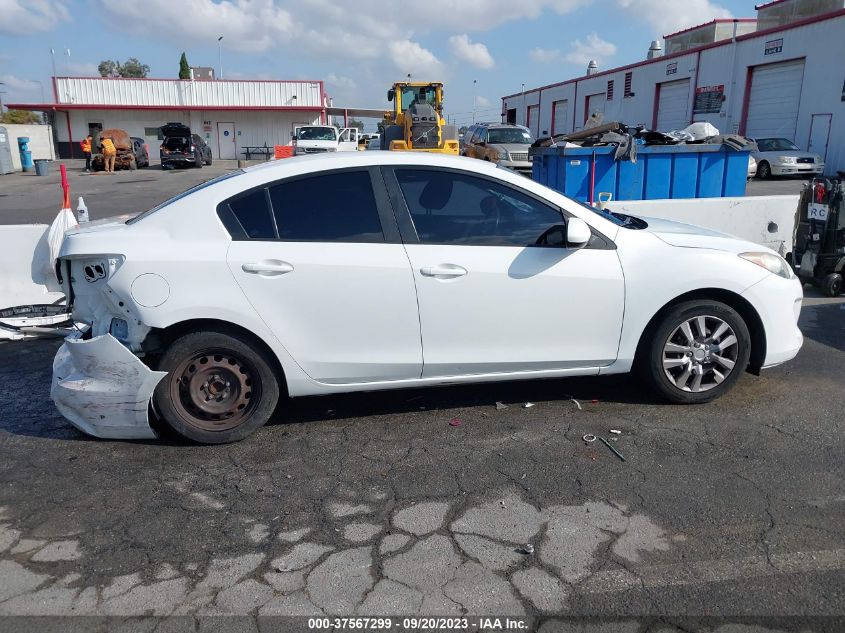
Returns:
(338,207)
(253,213)
(455,208)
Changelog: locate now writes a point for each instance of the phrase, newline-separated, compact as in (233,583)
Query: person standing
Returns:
(109,154)
(85,144)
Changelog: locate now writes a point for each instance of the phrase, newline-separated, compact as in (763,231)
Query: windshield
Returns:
(508,135)
(202,185)
(776,145)
(316,134)
(410,94)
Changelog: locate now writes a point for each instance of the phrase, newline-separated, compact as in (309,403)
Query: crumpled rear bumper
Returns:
(103,388)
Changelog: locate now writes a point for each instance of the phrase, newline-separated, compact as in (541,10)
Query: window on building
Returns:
(462,209)
(335,207)
(610,90)
(629,80)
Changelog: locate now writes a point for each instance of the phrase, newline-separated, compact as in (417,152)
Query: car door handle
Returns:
(268,268)
(443,271)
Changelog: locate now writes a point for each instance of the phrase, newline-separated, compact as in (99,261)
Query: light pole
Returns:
(2,92)
(53,60)
(220,56)
(523,104)
(474,100)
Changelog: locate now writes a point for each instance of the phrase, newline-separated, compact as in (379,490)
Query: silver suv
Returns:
(501,143)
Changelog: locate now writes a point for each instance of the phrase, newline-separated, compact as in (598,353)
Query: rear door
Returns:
(320,259)
(490,299)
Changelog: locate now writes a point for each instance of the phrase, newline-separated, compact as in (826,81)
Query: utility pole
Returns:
(220,56)
(474,100)
(523,104)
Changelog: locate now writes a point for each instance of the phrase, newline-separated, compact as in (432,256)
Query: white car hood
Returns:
(691,236)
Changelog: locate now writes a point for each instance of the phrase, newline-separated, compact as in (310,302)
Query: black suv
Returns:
(180,147)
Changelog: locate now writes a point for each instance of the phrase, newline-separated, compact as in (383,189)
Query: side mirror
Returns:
(390,94)
(578,233)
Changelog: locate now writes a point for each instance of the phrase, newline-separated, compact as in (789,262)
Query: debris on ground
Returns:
(616,431)
(528,405)
(528,549)
(577,404)
(615,452)
(589,437)
(455,422)
(501,405)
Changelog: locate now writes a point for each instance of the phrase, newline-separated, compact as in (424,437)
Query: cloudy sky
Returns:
(482,49)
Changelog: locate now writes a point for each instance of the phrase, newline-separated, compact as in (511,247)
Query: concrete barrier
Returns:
(40,142)
(765,220)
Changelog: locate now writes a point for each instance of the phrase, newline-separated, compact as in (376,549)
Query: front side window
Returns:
(334,207)
(458,208)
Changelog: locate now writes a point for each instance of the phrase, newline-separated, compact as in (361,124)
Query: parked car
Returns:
(126,155)
(781,157)
(142,152)
(182,148)
(318,139)
(447,270)
(501,143)
(752,167)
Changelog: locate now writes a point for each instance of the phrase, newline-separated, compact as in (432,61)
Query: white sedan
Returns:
(382,270)
(781,157)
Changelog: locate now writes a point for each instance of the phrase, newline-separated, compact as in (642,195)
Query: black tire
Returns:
(832,285)
(133,164)
(663,379)
(218,389)
(198,161)
(208,162)
(764,170)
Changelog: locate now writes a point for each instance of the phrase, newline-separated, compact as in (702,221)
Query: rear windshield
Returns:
(175,142)
(202,185)
(507,135)
(316,134)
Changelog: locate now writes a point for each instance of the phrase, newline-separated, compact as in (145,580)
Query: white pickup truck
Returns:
(312,139)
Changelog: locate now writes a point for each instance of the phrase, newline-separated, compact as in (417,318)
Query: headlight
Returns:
(502,154)
(786,160)
(772,263)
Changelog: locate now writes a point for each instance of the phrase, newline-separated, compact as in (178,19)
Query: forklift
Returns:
(819,245)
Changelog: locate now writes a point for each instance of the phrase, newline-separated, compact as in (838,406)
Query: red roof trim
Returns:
(716,21)
(212,81)
(62,107)
(748,36)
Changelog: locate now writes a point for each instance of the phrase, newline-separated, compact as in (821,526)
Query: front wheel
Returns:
(218,387)
(764,171)
(832,285)
(697,352)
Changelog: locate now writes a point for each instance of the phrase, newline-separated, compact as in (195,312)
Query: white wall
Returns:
(272,127)
(821,44)
(40,141)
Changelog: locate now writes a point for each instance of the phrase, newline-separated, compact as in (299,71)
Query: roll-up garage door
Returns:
(560,117)
(672,105)
(774,100)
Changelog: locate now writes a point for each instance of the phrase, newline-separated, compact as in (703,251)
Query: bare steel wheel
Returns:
(219,387)
(216,389)
(700,353)
(696,352)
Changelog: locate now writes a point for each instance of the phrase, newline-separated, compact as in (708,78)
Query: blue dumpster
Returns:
(661,171)
(26,155)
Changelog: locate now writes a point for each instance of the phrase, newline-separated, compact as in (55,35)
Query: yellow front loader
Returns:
(416,122)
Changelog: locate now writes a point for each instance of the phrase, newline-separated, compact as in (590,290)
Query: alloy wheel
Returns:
(700,353)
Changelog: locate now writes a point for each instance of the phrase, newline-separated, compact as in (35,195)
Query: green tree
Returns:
(463,129)
(356,123)
(20,117)
(184,68)
(109,68)
(134,68)
(131,68)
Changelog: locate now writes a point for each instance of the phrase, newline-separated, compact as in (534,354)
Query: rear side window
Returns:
(335,207)
(253,213)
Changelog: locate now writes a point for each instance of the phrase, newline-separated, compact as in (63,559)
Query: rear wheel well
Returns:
(159,339)
(735,301)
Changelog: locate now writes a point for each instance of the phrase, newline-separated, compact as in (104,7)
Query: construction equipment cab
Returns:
(416,122)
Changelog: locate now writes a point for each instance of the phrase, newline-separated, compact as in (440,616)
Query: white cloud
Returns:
(581,53)
(472,53)
(410,57)
(665,20)
(21,90)
(82,69)
(594,48)
(20,17)
(482,102)
(339,81)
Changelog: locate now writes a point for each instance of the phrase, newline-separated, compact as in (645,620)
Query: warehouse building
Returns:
(779,74)
(229,115)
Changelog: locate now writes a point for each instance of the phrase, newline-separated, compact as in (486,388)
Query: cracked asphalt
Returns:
(375,504)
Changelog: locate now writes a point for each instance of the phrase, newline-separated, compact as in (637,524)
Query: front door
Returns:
(819,135)
(322,264)
(348,140)
(226,145)
(490,299)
